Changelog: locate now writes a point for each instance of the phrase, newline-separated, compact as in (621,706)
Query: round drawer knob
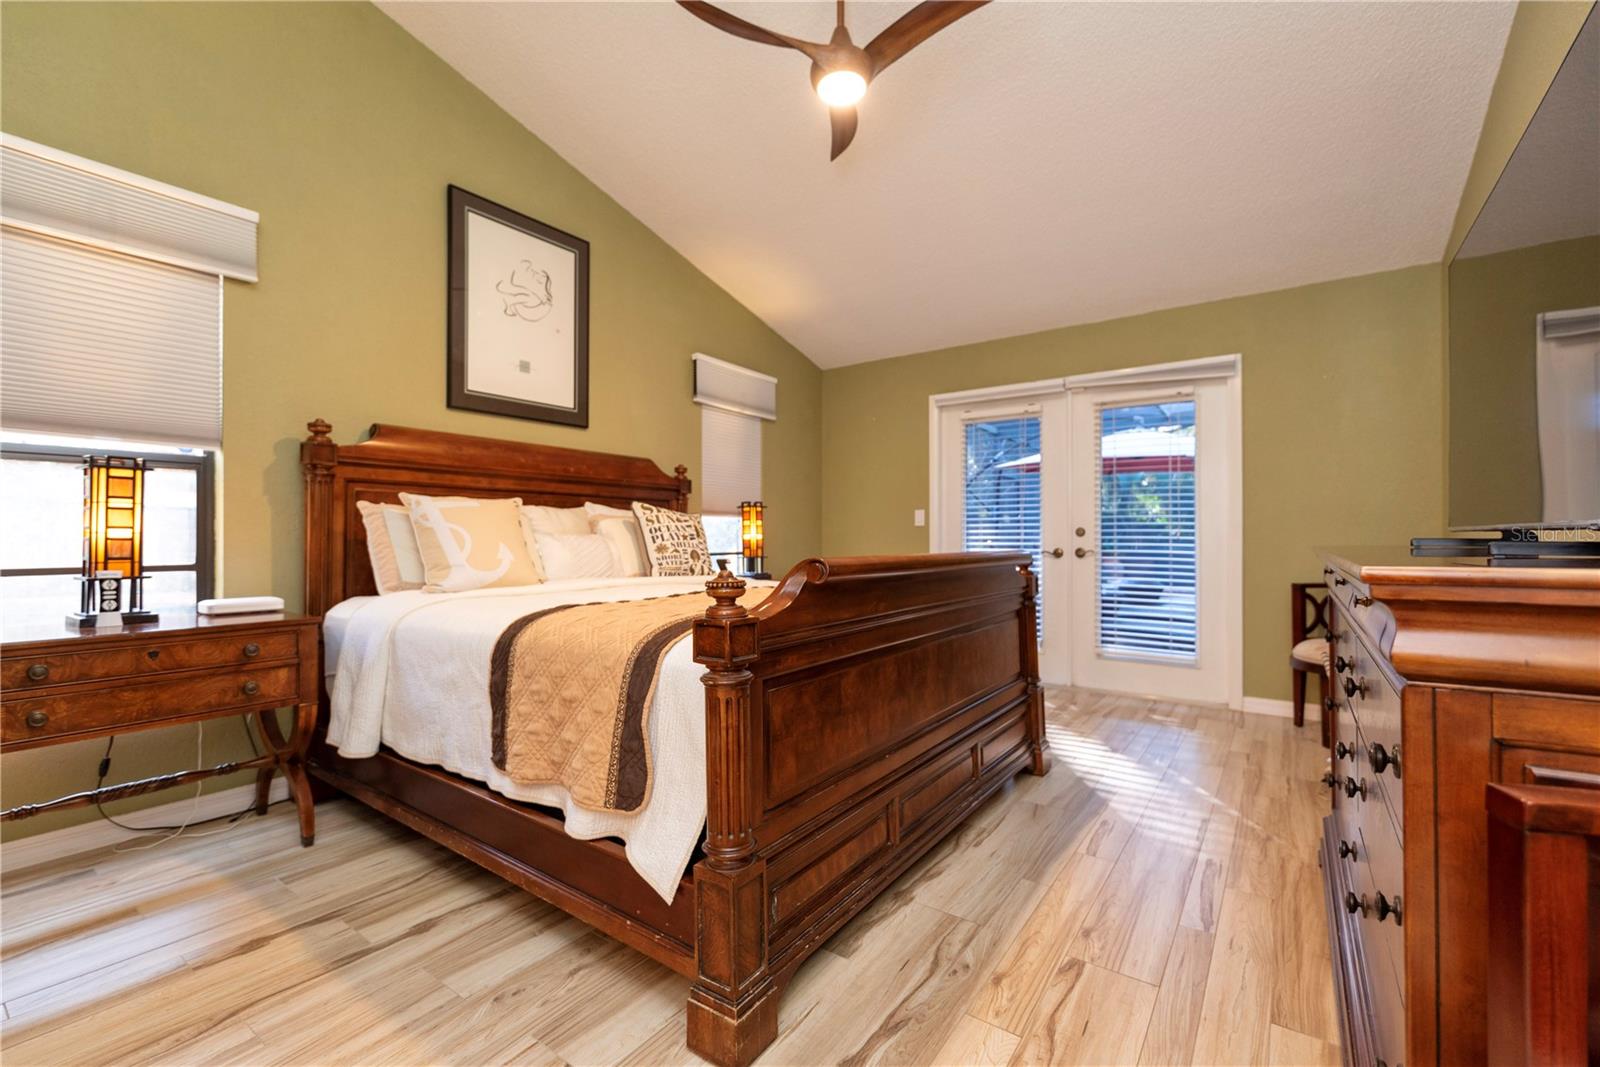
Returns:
(250,688)
(1343,751)
(1347,851)
(1352,686)
(1388,909)
(1353,903)
(252,650)
(38,672)
(1341,664)
(1351,789)
(37,719)
(1363,602)
(1382,759)
(1330,781)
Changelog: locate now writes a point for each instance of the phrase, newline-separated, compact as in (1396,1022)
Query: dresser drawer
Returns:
(22,672)
(135,704)
(1369,696)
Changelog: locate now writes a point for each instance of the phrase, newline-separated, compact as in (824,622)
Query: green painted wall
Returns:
(1341,378)
(343,131)
(1494,304)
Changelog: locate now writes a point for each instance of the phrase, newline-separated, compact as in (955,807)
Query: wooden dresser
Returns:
(1449,675)
(59,685)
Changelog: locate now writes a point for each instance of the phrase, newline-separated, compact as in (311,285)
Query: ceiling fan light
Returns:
(841,88)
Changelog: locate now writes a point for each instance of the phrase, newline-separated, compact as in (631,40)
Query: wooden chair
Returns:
(1309,654)
(1544,922)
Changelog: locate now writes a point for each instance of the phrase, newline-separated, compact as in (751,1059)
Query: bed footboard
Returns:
(853,719)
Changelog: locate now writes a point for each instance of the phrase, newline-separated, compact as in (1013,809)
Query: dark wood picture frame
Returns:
(461,202)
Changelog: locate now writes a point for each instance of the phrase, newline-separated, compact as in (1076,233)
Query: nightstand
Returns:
(58,686)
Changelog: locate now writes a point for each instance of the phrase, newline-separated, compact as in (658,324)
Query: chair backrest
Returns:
(1308,610)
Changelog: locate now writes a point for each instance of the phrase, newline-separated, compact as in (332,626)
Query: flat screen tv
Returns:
(1524,322)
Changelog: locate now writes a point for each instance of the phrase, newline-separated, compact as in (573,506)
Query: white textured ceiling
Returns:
(1034,165)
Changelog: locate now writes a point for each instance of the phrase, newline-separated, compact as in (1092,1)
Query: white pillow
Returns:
(392,547)
(545,520)
(583,555)
(621,530)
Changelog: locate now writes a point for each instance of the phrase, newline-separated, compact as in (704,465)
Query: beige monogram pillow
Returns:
(467,543)
(675,541)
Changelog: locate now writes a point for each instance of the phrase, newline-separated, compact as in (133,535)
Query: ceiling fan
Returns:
(840,70)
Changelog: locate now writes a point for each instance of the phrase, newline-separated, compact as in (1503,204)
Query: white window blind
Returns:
(1148,554)
(730,460)
(99,344)
(724,385)
(111,296)
(1000,499)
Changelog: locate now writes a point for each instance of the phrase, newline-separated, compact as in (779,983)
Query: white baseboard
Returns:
(85,837)
(1283,709)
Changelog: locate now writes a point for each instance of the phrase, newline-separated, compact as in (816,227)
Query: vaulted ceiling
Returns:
(1034,165)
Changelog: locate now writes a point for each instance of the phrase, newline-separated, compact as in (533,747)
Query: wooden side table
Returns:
(58,685)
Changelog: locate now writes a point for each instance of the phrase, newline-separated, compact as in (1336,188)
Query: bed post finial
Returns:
(726,589)
(684,485)
(320,429)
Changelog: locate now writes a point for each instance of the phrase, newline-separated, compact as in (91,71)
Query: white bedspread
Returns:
(411,671)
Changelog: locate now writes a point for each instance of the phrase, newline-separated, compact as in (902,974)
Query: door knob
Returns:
(1081,552)
(1057,553)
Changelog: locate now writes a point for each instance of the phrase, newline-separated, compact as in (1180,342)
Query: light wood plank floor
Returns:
(1167,912)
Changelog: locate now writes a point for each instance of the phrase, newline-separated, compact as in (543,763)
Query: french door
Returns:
(1152,500)
(1004,479)
(1124,488)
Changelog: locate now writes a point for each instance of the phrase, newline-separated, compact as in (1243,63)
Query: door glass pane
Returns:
(1147,555)
(170,502)
(169,591)
(48,531)
(1001,499)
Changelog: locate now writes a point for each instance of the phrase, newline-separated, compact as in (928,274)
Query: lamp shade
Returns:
(113,516)
(753,534)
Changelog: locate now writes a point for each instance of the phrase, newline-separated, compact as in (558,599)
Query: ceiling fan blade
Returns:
(914,27)
(737,26)
(843,121)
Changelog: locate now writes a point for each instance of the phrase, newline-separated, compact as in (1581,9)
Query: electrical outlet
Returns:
(919,517)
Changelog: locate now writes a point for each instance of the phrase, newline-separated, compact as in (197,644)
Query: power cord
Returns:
(171,831)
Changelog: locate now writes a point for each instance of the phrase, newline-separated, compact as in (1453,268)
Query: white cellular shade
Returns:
(720,384)
(46,191)
(94,343)
(1148,554)
(730,460)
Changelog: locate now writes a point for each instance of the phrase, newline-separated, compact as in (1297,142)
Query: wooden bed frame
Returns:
(853,719)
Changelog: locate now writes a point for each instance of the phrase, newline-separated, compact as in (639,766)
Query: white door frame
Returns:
(1188,370)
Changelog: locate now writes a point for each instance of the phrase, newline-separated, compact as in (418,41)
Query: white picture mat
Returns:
(516,347)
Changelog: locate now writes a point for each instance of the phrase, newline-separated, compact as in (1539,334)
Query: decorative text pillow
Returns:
(391,546)
(621,530)
(576,556)
(468,543)
(675,541)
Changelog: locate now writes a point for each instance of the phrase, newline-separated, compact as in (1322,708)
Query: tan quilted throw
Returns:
(571,687)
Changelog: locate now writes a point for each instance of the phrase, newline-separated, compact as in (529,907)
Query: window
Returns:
(1001,460)
(41,545)
(111,327)
(1148,550)
(734,401)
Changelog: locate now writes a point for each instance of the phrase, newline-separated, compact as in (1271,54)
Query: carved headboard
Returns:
(397,459)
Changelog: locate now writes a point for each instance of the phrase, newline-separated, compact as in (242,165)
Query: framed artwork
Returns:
(519,314)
